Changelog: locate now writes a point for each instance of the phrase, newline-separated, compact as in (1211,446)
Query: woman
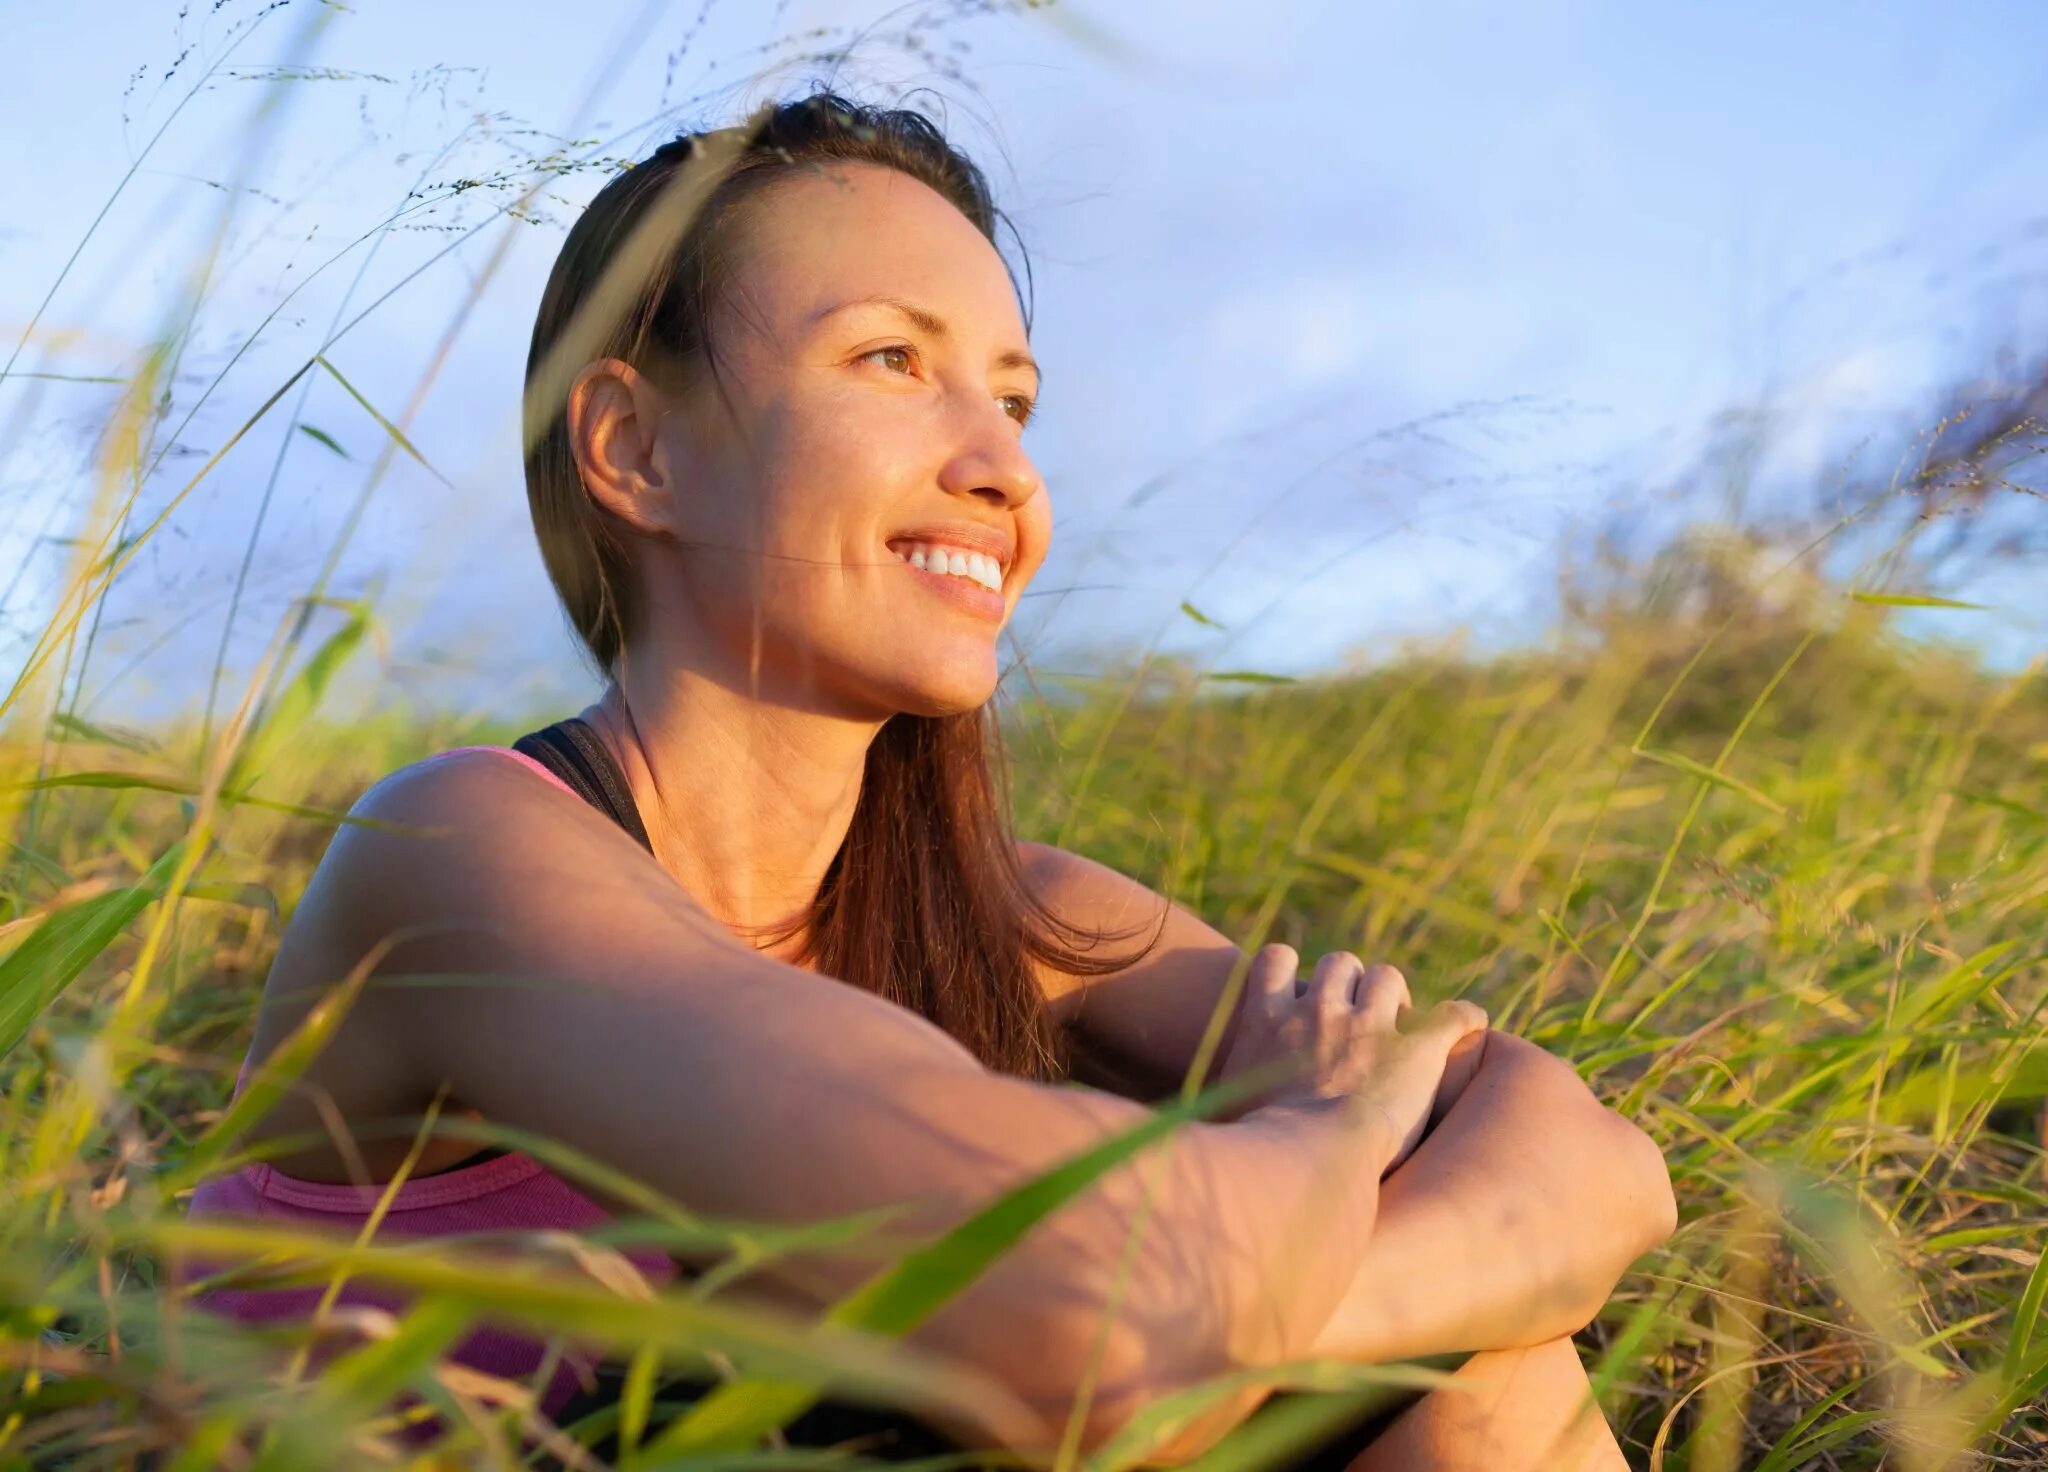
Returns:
(775,398)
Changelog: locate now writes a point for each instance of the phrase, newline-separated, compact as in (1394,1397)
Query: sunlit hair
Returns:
(925,903)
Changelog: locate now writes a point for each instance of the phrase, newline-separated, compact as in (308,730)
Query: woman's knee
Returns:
(1503,1411)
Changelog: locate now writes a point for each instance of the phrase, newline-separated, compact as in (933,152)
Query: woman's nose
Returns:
(991,464)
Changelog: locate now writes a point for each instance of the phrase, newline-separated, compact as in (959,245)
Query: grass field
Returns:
(1773,876)
(1776,886)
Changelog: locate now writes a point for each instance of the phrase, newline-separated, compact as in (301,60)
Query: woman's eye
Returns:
(1022,413)
(900,351)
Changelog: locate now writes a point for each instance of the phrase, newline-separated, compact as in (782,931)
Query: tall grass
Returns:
(1810,961)
(1772,877)
(1811,964)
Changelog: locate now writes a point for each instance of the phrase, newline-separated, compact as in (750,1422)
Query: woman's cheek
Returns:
(1034,538)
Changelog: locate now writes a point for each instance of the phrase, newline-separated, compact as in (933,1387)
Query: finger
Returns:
(1335,977)
(1455,1018)
(1382,995)
(1272,977)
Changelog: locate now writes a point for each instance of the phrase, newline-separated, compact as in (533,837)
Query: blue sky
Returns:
(1348,311)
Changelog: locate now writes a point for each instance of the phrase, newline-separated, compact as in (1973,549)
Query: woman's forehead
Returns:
(824,241)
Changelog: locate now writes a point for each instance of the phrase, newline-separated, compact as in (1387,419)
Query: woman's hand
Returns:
(1351,1031)
(1511,1225)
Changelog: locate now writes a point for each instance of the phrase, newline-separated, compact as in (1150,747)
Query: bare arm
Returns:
(1146,1020)
(1485,1238)
(600,1006)
(1507,1228)
(1510,1224)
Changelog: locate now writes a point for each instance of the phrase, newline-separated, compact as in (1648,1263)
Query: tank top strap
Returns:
(571,750)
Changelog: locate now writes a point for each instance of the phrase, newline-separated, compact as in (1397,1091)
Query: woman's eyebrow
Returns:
(925,321)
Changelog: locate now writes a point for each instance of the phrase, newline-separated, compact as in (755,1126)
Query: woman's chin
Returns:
(950,702)
(946,689)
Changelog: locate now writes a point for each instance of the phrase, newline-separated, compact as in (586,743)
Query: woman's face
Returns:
(875,364)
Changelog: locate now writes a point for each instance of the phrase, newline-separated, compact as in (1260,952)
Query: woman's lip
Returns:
(984,602)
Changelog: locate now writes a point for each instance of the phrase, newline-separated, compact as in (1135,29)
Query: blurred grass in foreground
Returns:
(1810,960)
(1775,880)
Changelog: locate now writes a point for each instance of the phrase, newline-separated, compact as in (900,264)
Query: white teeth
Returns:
(978,566)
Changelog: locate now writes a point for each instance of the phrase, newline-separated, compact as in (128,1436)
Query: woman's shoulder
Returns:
(456,770)
(335,930)
(413,829)
(466,831)
(416,843)
(395,839)
(453,811)
(465,862)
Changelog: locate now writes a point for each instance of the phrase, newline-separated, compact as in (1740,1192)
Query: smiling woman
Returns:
(823,378)
(792,965)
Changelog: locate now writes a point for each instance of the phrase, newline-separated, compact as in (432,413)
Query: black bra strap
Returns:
(571,750)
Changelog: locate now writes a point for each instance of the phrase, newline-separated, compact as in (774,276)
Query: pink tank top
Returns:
(512,1192)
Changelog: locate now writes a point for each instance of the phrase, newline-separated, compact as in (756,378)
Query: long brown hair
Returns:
(925,903)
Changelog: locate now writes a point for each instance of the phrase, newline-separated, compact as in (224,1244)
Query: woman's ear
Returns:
(615,415)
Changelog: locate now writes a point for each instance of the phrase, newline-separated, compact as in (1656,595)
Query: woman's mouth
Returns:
(972,580)
(958,562)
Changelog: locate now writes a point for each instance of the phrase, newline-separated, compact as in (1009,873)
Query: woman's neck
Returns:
(745,802)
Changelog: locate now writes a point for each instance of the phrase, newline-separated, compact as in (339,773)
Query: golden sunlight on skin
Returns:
(1526,1410)
(781,629)
(843,425)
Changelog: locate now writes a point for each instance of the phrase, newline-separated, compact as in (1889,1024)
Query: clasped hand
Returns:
(1353,1030)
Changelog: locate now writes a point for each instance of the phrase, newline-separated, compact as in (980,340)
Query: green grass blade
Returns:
(1276,1434)
(636,1401)
(321,436)
(1344,1390)
(1911,600)
(358,1384)
(297,702)
(112,781)
(1686,764)
(269,1081)
(185,787)
(2026,1318)
(246,895)
(1793,1443)
(38,970)
(534,1293)
(903,1296)
(2006,804)
(67,724)
(386,425)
